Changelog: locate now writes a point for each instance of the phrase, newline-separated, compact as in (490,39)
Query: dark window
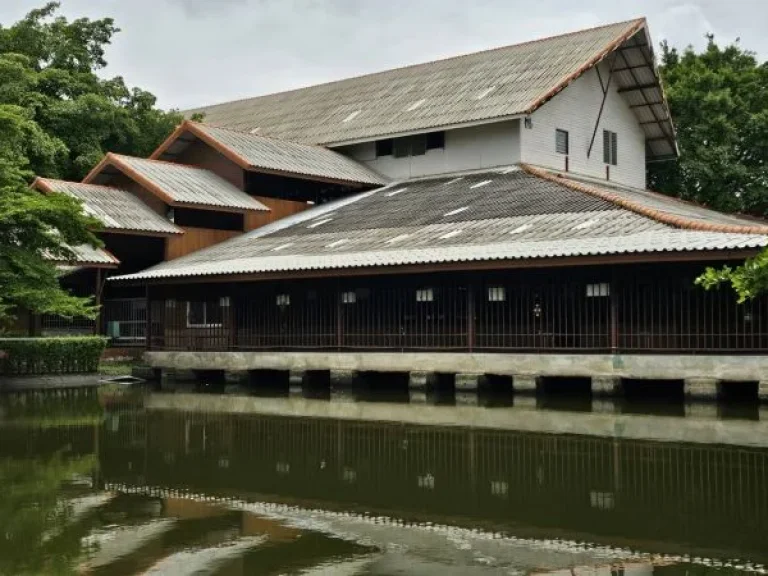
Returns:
(205,314)
(610,147)
(419,145)
(561,141)
(435,140)
(384,147)
(208,219)
(402,147)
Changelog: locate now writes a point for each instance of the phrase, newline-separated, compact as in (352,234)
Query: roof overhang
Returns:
(189,132)
(111,166)
(462,266)
(632,69)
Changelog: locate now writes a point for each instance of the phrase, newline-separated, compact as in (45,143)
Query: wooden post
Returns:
(97,294)
(471,316)
(614,312)
(148,329)
(339,316)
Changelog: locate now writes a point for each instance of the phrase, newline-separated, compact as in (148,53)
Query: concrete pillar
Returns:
(701,410)
(421,380)
(603,405)
(606,386)
(469,382)
(526,401)
(701,388)
(525,383)
(466,398)
(343,377)
(762,391)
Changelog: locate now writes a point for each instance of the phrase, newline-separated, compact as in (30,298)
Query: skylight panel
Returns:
(520,229)
(481,184)
(451,234)
(456,211)
(396,192)
(352,116)
(255,130)
(459,179)
(415,105)
(397,239)
(337,243)
(282,247)
(485,92)
(588,224)
(319,222)
(509,169)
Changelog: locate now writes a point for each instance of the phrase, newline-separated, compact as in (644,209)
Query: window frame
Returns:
(559,132)
(610,148)
(205,323)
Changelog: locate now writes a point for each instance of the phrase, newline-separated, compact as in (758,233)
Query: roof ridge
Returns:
(427,63)
(638,208)
(203,125)
(45,179)
(155,160)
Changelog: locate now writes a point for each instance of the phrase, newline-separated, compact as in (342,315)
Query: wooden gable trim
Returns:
(638,208)
(200,133)
(613,45)
(113,160)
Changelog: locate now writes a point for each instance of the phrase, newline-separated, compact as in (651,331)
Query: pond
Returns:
(143,482)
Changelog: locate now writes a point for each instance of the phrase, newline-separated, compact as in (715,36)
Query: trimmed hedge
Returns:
(38,356)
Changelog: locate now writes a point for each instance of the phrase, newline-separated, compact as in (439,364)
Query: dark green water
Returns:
(147,483)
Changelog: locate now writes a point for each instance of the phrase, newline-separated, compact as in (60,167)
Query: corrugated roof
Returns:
(116,209)
(517,215)
(480,87)
(86,255)
(178,184)
(261,153)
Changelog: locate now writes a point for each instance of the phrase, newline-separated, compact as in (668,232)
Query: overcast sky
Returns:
(195,52)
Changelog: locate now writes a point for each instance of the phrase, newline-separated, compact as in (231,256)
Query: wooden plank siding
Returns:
(199,154)
(278,209)
(195,239)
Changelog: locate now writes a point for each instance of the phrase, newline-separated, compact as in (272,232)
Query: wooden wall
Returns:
(124,182)
(195,239)
(199,154)
(278,209)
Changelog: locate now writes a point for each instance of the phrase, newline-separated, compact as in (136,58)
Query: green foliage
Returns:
(748,280)
(48,66)
(33,517)
(58,117)
(28,356)
(719,102)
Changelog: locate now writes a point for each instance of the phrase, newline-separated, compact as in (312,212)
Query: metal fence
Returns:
(577,310)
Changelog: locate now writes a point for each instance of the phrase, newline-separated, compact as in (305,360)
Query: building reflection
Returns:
(658,497)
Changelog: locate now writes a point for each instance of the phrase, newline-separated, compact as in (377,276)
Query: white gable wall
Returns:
(484,146)
(576,110)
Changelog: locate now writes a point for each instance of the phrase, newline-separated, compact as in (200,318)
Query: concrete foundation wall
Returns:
(651,367)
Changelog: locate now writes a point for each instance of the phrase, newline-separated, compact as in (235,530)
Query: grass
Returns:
(116,368)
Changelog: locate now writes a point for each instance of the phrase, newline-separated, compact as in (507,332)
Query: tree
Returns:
(58,118)
(719,102)
(35,230)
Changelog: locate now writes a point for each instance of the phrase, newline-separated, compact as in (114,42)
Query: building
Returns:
(513,234)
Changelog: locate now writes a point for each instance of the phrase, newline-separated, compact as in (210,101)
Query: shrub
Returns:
(21,356)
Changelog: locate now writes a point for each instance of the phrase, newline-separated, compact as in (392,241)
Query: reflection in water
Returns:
(374,497)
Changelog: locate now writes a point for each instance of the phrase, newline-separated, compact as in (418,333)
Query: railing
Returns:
(586,311)
(125,321)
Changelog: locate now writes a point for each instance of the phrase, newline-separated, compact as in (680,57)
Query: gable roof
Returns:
(483,87)
(271,155)
(176,184)
(117,210)
(502,214)
(89,257)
